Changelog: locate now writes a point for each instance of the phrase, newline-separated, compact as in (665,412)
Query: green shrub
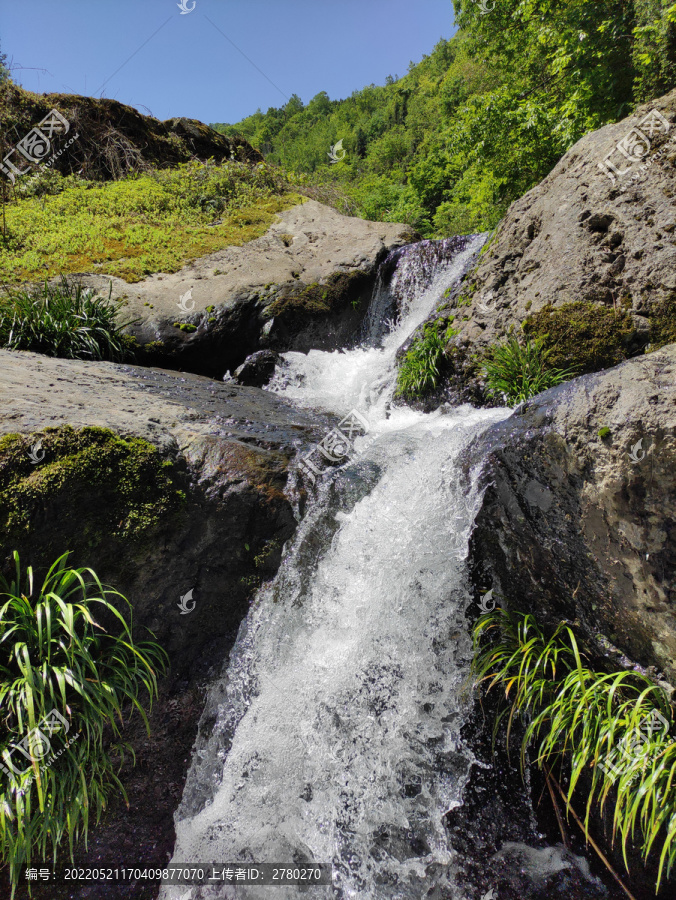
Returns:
(583,721)
(519,371)
(60,320)
(604,432)
(65,649)
(419,370)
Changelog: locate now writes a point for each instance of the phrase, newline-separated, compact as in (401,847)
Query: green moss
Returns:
(583,336)
(604,432)
(186,326)
(339,289)
(663,324)
(91,486)
(210,309)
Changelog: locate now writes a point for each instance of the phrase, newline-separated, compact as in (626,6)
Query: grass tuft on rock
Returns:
(70,671)
(609,732)
(419,371)
(516,372)
(62,320)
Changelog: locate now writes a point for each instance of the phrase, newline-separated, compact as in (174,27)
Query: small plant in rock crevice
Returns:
(582,720)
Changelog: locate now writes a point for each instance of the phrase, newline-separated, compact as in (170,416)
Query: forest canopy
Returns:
(484,117)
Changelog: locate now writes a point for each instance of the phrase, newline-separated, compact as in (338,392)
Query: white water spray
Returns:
(337,724)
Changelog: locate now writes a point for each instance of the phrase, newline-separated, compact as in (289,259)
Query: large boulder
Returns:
(303,285)
(164,484)
(587,258)
(579,516)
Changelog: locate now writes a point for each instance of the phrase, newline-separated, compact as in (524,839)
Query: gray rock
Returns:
(257,369)
(217,527)
(584,233)
(311,273)
(581,525)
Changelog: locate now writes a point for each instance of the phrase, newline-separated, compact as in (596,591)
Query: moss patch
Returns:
(583,336)
(339,289)
(90,487)
(663,324)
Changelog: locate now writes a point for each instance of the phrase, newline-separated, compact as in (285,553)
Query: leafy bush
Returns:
(516,372)
(60,320)
(419,370)
(56,656)
(587,721)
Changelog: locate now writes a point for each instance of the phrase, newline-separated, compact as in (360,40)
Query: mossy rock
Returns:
(90,488)
(663,323)
(583,336)
(336,292)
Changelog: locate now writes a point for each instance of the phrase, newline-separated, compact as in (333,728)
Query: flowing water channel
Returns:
(334,734)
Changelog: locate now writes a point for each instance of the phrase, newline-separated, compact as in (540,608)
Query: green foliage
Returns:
(604,432)
(484,117)
(64,646)
(582,335)
(62,320)
(143,223)
(4,71)
(581,717)
(516,372)
(419,370)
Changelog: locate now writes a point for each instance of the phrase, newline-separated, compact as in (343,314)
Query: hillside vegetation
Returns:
(484,117)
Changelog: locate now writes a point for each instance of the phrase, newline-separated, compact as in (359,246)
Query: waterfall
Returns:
(334,734)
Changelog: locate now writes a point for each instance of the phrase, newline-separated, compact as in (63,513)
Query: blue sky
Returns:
(188,67)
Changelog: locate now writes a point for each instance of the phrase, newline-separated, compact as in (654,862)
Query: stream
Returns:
(334,733)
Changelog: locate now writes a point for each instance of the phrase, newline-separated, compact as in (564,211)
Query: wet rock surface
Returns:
(579,515)
(227,450)
(257,369)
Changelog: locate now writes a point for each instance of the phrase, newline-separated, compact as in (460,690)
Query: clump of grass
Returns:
(581,717)
(56,655)
(419,370)
(62,320)
(516,372)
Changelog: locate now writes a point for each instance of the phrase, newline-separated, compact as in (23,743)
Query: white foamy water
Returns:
(334,735)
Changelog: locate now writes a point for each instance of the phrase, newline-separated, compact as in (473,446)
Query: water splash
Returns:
(337,723)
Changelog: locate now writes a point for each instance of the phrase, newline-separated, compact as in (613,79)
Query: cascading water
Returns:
(337,722)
